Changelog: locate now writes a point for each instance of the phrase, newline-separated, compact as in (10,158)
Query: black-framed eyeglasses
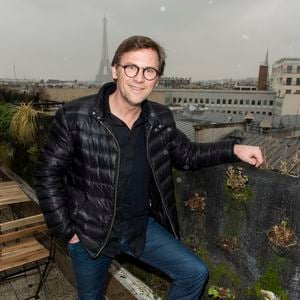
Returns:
(132,70)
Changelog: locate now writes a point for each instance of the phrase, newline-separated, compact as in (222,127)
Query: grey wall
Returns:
(256,263)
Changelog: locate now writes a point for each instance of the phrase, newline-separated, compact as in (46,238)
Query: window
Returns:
(253,102)
(288,91)
(229,101)
(258,102)
(235,102)
(264,113)
(241,102)
(174,100)
(229,111)
(297,81)
(191,100)
(265,102)
(270,113)
(224,101)
(196,100)
(289,81)
(289,69)
(234,112)
(247,102)
(207,101)
(179,100)
(184,100)
(218,101)
(271,102)
(298,69)
(201,100)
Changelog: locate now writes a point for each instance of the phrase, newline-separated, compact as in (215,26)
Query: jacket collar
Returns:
(100,107)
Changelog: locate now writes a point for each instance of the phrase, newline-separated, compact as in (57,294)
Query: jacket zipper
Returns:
(161,198)
(116,190)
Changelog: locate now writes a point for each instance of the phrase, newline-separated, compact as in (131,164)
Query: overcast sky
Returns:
(204,39)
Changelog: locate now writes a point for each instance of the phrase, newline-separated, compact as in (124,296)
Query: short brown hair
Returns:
(137,42)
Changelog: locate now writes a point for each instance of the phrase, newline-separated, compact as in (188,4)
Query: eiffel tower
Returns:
(104,73)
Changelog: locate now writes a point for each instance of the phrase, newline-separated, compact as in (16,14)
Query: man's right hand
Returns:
(74,239)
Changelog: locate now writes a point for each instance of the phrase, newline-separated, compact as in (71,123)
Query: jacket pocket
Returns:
(76,200)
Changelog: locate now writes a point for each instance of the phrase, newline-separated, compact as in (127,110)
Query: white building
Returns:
(229,102)
(285,80)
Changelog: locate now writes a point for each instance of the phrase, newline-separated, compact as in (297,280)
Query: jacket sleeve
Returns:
(188,155)
(50,172)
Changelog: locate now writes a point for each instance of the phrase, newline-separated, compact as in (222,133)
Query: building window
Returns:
(196,100)
(264,113)
(191,100)
(223,111)
(218,101)
(207,101)
(253,102)
(289,69)
(241,102)
(235,102)
(271,103)
(289,81)
(184,100)
(258,102)
(234,112)
(229,101)
(288,91)
(297,81)
(179,100)
(224,101)
(298,69)
(265,102)
(247,102)
(174,100)
(270,113)
(201,100)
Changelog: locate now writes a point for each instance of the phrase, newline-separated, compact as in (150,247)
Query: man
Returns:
(104,176)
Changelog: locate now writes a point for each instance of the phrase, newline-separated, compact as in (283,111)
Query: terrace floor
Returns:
(58,287)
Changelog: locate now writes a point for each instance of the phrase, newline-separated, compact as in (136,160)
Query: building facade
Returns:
(224,101)
(285,80)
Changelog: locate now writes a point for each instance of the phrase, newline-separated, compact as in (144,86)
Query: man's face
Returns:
(135,90)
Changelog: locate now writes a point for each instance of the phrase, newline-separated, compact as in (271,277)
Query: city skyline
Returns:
(205,40)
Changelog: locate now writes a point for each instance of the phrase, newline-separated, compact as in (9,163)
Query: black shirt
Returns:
(133,186)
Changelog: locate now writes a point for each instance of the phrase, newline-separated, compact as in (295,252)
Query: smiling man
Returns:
(104,176)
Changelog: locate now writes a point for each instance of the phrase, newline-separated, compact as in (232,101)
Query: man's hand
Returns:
(74,239)
(250,154)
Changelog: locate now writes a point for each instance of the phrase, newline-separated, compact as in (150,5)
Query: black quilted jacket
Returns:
(77,171)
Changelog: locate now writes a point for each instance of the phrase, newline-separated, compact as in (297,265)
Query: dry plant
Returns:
(236,181)
(221,293)
(23,124)
(229,244)
(282,235)
(286,168)
(196,203)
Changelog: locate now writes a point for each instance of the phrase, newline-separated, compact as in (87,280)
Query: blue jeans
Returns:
(162,251)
